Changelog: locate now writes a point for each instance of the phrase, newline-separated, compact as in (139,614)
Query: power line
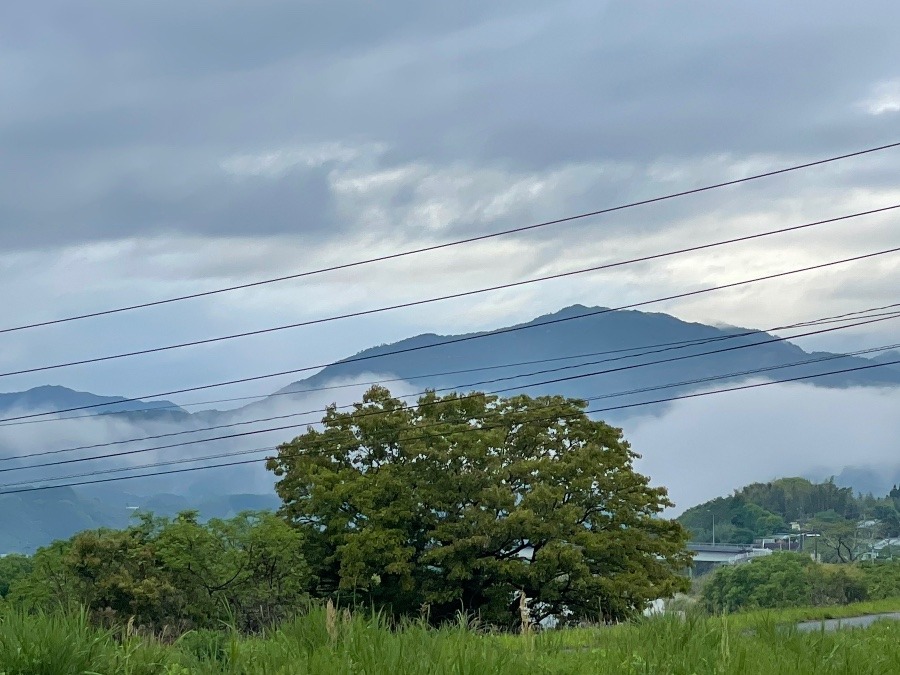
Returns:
(586,412)
(233,453)
(442,298)
(745,373)
(468,240)
(124,453)
(754,385)
(466,338)
(656,348)
(408,378)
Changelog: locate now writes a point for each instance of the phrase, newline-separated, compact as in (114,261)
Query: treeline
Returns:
(248,571)
(793,580)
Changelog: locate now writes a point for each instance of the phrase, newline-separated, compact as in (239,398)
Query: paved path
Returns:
(850,622)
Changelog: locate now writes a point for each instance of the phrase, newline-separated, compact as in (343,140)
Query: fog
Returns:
(698,448)
(301,410)
(707,447)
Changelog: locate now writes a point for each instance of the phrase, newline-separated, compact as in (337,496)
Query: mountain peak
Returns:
(610,350)
(50,397)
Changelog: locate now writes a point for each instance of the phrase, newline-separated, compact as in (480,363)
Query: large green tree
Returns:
(460,502)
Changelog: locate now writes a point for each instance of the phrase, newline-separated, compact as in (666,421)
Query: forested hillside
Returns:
(847,525)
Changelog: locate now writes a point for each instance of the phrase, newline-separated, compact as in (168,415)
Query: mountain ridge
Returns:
(50,397)
(600,331)
(424,360)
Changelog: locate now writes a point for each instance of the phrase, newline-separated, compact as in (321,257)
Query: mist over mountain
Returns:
(888,358)
(604,341)
(561,357)
(50,398)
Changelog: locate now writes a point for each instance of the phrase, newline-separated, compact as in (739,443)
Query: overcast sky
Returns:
(151,149)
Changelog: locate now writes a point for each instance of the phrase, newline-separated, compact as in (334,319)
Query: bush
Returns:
(173,574)
(882,579)
(779,580)
(784,580)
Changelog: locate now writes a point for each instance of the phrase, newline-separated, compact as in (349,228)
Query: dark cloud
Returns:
(120,114)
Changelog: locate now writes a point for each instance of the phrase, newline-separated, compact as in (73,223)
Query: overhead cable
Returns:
(458,242)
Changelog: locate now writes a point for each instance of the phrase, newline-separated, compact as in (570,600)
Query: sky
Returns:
(153,149)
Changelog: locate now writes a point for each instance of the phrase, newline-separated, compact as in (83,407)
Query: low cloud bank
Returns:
(706,447)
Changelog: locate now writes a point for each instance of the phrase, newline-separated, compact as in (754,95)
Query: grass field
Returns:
(748,643)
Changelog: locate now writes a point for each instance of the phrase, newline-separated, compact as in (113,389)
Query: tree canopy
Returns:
(176,572)
(460,502)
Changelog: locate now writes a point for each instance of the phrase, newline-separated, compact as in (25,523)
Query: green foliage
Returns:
(737,521)
(839,540)
(783,580)
(30,520)
(795,499)
(461,502)
(882,578)
(779,580)
(62,644)
(174,572)
(12,568)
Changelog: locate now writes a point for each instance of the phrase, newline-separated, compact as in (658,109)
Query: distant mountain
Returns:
(48,398)
(604,341)
(869,480)
(888,357)
(564,354)
(33,519)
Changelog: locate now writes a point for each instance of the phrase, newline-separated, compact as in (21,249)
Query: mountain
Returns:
(562,350)
(888,357)
(48,398)
(605,341)
(764,509)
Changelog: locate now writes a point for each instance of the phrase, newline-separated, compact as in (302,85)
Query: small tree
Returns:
(465,501)
(839,539)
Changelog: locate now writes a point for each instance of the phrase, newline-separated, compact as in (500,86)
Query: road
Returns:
(850,622)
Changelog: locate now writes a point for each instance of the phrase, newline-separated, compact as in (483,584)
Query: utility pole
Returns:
(872,543)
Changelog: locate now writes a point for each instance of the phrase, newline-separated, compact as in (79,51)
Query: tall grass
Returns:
(57,644)
(323,642)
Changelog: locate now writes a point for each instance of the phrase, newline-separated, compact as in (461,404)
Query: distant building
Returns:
(780,542)
(887,548)
(710,556)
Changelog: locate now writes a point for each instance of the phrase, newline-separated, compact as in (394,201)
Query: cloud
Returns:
(275,163)
(296,412)
(709,447)
(885,98)
(122,118)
